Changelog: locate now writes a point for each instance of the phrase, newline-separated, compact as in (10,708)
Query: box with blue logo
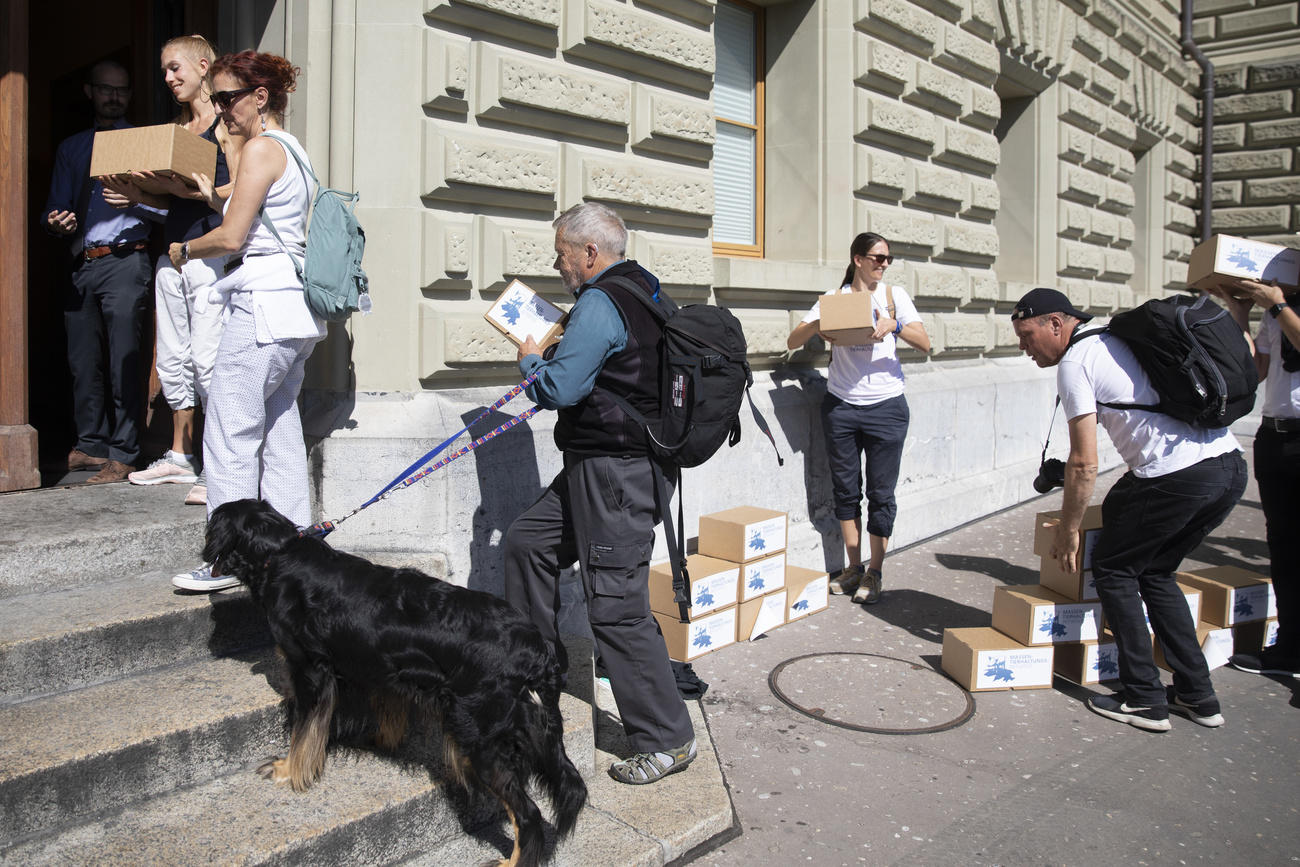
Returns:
(807,591)
(1232,595)
(742,534)
(981,659)
(687,641)
(1037,615)
(1087,661)
(759,577)
(713,585)
(760,615)
(1227,256)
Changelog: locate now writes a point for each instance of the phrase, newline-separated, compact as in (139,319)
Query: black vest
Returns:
(595,425)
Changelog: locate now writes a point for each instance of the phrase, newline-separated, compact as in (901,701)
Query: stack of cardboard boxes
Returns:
(740,587)
(1057,625)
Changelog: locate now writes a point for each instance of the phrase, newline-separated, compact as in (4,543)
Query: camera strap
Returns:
(1048,439)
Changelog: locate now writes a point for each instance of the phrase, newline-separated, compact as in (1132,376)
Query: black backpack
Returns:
(704,378)
(1195,355)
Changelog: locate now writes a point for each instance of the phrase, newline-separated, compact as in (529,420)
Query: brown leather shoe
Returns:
(79,460)
(113,471)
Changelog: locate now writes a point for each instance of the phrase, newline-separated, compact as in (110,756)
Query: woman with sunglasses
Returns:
(865,413)
(187,332)
(252,438)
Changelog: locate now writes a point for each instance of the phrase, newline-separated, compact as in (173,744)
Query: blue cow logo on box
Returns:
(1052,625)
(1106,665)
(1240,257)
(702,639)
(801,605)
(756,583)
(1241,607)
(756,541)
(998,670)
(510,309)
(705,598)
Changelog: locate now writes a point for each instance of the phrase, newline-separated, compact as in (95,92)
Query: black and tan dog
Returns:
(367,645)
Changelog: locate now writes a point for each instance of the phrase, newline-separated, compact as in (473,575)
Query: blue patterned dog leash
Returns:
(417,471)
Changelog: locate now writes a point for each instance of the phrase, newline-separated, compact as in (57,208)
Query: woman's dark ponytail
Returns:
(861,244)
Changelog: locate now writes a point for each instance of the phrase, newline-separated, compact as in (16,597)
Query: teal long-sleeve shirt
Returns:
(595,331)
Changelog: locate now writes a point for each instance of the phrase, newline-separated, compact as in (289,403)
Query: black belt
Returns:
(1281,425)
(233,263)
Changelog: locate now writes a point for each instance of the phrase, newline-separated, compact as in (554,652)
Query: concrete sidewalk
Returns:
(1033,777)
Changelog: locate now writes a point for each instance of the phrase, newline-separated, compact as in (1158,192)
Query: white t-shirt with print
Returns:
(1104,370)
(1281,389)
(867,374)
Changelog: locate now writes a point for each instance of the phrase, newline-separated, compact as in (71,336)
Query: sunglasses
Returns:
(879,259)
(1019,313)
(224,99)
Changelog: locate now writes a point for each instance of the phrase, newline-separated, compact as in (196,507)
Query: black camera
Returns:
(1051,474)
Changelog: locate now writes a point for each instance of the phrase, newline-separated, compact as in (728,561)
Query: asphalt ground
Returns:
(1032,777)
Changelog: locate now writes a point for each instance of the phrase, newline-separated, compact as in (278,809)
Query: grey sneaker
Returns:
(847,581)
(644,768)
(201,580)
(871,588)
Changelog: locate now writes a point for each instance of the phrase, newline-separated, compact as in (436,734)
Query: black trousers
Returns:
(1277,470)
(1148,527)
(104,316)
(600,511)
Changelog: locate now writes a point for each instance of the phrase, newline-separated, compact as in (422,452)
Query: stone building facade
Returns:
(999,144)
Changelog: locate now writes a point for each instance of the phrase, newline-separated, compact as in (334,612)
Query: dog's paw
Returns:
(276,770)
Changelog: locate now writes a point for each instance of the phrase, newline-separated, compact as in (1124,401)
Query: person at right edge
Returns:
(1277,457)
(1182,481)
(600,509)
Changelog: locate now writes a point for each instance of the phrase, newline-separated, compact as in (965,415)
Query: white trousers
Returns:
(187,339)
(252,436)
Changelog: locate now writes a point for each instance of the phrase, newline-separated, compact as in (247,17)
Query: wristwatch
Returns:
(1276,310)
(898,326)
(185,251)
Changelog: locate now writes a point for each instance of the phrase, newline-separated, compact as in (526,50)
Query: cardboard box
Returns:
(165,148)
(713,585)
(761,615)
(980,659)
(1077,585)
(1254,636)
(742,534)
(848,318)
(1087,661)
(1036,615)
(807,590)
(1232,595)
(1225,255)
(759,577)
(520,313)
(687,641)
(1193,597)
(1215,641)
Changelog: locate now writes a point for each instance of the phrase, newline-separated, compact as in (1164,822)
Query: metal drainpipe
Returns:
(1207,120)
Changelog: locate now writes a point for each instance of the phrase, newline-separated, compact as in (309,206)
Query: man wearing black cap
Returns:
(1181,484)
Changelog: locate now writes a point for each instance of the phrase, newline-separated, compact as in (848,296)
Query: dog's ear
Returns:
(243,535)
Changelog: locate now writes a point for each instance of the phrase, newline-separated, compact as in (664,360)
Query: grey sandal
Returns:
(643,768)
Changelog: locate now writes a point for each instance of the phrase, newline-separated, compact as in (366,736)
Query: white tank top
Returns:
(286,205)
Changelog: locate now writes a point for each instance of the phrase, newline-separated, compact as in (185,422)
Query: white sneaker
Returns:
(200,580)
(171,467)
(198,495)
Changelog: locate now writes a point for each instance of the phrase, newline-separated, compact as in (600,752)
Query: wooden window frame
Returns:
(754,250)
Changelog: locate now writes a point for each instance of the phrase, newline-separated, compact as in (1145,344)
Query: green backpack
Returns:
(333,282)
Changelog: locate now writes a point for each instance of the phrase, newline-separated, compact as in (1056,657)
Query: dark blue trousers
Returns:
(872,436)
(1277,470)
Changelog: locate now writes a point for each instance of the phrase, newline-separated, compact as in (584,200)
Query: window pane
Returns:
(733,82)
(733,185)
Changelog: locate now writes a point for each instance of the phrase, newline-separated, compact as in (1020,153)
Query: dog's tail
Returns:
(551,765)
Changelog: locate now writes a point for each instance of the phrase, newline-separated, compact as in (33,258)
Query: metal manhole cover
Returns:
(868,692)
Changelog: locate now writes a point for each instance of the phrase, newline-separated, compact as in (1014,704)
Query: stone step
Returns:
(63,639)
(76,536)
(67,757)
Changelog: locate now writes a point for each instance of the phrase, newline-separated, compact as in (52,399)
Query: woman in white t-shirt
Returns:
(865,414)
(252,440)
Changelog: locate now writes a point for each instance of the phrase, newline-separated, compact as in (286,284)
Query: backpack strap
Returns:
(889,302)
(674,538)
(261,212)
(1097,332)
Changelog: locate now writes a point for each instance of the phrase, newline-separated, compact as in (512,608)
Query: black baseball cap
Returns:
(1038,301)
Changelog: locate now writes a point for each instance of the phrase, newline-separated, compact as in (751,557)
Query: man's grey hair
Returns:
(593,223)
